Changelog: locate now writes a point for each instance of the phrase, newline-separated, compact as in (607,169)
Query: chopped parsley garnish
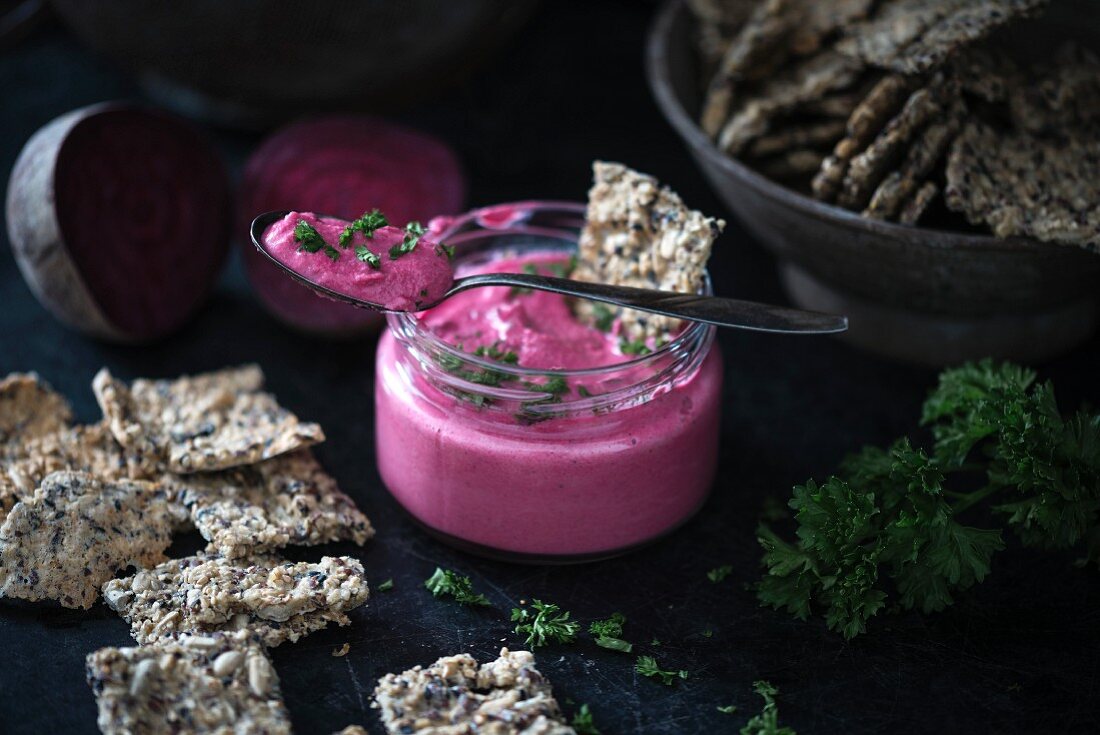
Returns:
(728,709)
(647,666)
(385,586)
(655,642)
(719,573)
(563,270)
(365,255)
(413,232)
(445,582)
(367,224)
(554,385)
(605,316)
(887,524)
(447,250)
(708,633)
(547,624)
(310,240)
(582,722)
(530,269)
(608,633)
(637,347)
(767,722)
(583,392)
(494,352)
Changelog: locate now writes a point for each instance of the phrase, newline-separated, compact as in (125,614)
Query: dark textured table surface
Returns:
(1020,653)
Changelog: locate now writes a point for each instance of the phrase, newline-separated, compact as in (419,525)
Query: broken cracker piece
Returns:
(914,36)
(199,423)
(30,408)
(454,695)
(76,531)
(287,500)
(638,233)
(274,599)
(200,684)
(1021,184)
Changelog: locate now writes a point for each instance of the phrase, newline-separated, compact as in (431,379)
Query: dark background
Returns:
(1017,654)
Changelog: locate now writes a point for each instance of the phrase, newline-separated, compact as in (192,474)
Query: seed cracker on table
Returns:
(1021,184)
(274,599)
(198,685)
(453,695)
(638,233)
(287,500)
(90,449)
(30,408)
(76,531)
(914,36)
(913,209)
(784,92)
(199,423)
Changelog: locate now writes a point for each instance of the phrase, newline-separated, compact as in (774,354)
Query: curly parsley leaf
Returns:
(547,624)
(583,723)
(365,255)
(609,633)
(647,666)
(413,232)
(385,586)
(444,582)
(367,224)
(767,722)
(717,574)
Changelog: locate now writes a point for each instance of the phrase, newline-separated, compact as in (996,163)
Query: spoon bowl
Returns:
(722,312)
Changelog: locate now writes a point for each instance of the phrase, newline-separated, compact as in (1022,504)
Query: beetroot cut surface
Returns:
(119,219)
(341,166)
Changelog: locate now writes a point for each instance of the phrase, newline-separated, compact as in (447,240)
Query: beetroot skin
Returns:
(119,219)
(341,166)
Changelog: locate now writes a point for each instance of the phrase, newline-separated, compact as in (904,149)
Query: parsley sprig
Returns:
(547,624)
(887,526)
(310,240)
(609,633)
(583,723)
(767,722)
(647,666)
(444,582)
(413,233)
(367,224)
(717,574)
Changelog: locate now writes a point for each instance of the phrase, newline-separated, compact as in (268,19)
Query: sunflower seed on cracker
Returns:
(913,209)
(900,186)
(1021,184)
(76,531)
(214,684)
(275,600)
(201,423)
(806,80)
(454,695)
(30,408)
(867,169)
(913,36)
(638,233)
(286,500)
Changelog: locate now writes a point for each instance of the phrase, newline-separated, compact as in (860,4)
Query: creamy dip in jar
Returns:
(507,427)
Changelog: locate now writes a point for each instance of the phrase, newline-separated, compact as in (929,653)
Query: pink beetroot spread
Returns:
(397,269)
(580,485)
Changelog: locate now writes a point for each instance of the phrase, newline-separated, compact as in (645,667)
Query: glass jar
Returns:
(622,455)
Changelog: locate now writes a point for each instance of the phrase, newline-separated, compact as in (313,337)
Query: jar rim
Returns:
(555,220)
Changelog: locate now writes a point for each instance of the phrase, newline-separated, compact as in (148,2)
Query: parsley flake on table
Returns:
(728,709)
(583,723)
(637,347)
(608,633)
(385,586)
(444,582)
(547,624)
(719,573)
(767,722)
(647,666)
(887,524)
(367,224)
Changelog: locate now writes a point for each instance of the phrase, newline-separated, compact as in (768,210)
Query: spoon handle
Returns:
(722,312)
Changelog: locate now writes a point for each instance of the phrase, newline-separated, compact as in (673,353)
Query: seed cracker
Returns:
(275,600)
(926,151)
(204,422)
(200,684)
(30,408)
(914,36)
(638,233)
(76,531)
(913,209)
(806,80)
(794,164)
(454,695)
(1059,96)
(799,135)
(1021,184)
(288,500)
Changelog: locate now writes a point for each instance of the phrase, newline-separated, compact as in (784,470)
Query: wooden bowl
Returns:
(256,63)
(917,294)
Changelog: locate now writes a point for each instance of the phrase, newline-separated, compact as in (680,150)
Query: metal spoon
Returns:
(715,310)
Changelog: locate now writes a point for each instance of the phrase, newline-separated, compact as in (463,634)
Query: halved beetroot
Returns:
(119,219)
(341,166)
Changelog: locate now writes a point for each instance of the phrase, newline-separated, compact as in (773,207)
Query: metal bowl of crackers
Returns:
(904,168)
